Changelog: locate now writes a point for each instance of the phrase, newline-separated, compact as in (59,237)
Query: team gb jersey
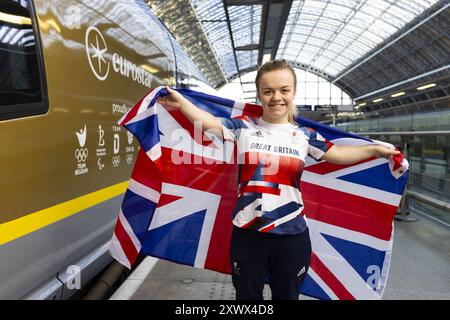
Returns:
(271,158)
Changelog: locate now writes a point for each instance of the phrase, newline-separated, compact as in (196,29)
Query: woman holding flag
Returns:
(270,239)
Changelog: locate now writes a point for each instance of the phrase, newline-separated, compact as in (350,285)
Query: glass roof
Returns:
(245,24)
(330,35)
(323,36)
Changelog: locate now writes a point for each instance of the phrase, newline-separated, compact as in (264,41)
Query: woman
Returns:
(270,239)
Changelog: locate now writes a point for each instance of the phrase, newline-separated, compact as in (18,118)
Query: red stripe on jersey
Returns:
(332,282)
(348,211)
(329,144)
(277,169)
(243,117)
(268,228)
(250,222)
(260,189)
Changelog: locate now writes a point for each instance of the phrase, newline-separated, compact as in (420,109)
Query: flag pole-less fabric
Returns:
(183,188)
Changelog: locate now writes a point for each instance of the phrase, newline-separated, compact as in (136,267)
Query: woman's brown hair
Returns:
(275,65)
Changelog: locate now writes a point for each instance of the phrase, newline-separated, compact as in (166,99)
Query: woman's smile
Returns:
(277,105)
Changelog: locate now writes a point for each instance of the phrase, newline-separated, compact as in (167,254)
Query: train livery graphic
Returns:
(70,70)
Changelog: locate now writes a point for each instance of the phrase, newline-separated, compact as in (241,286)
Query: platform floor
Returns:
(420,270)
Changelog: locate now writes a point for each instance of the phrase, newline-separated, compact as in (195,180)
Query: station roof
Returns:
(332,38)
(330,35)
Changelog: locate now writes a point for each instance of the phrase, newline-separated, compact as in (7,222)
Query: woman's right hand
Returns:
(173,100)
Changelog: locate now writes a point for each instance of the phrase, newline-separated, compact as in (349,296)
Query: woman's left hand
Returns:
(384,152)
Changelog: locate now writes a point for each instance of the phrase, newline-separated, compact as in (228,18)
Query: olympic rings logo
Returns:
(129,158)
(81,154)
(115,161)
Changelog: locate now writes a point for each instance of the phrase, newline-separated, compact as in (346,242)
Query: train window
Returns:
(21,82)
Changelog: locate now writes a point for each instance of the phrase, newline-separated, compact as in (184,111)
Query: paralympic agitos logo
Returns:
(100,60)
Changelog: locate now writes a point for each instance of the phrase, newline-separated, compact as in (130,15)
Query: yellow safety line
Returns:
(17,228)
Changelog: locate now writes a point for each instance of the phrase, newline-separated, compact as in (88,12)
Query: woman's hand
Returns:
(173,100)
(384,152)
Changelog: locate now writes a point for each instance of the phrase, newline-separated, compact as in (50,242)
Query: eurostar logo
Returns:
(96,49)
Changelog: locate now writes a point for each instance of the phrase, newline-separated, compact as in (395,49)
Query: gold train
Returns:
(69,71)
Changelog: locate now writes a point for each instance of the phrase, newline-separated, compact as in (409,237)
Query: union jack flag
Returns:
(183,188)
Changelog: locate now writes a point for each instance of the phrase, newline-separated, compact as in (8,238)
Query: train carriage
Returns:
(70,70)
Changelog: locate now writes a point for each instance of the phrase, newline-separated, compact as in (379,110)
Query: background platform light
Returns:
(427,86)
(398,94)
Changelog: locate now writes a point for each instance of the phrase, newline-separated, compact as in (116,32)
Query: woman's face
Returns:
(276,93)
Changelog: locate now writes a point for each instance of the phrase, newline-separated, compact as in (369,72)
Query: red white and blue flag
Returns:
(183,188)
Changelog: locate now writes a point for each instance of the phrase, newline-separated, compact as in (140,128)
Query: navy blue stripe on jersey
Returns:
(259,222)
(317,146)
(316,143)
(293,226)
(269,217)
(234,125)
(245,200)
(282,211)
